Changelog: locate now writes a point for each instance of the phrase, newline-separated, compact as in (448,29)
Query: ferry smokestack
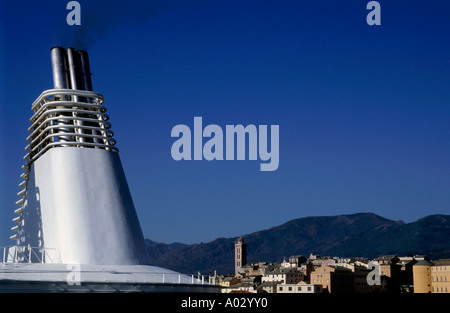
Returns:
(85,70)
(61,81)
(60,69)
(71,69)
(75,177)
(74,69)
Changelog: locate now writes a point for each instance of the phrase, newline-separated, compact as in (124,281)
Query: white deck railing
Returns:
(27,254)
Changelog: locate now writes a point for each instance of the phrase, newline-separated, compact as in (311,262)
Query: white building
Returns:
(284,276)
(240,288)
(301,287)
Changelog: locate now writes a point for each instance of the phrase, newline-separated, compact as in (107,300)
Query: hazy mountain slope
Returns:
(361,234)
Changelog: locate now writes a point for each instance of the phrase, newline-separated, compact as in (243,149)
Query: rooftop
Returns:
(442,262)
(423,263)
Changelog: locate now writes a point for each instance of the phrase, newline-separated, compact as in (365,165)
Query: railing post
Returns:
(4,253)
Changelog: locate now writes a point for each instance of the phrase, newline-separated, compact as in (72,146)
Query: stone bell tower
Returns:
(240,254)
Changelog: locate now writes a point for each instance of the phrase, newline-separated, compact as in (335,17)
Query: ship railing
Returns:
(142,278)
(28,254)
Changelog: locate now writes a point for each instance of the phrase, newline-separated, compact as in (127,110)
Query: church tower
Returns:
(240,254)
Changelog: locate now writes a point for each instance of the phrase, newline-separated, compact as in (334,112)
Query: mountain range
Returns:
(354,235)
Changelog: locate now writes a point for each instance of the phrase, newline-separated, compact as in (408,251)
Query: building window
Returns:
(290,288)
(309,288)
(300,288)
(281,288)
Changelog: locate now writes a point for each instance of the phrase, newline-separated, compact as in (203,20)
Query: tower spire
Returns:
(240,254)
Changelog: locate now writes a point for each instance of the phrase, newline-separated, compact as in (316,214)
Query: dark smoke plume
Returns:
(100,17)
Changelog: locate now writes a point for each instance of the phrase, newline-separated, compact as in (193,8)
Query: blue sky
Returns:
(363,110)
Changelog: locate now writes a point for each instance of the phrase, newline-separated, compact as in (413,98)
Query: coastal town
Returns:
(333,274)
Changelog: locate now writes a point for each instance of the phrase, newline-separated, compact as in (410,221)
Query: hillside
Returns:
(362,234)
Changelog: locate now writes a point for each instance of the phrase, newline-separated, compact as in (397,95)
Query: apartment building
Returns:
(440,276)
(432,277)
(284,276)
(334,279)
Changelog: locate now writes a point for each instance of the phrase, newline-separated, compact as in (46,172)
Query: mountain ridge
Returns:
(363,234)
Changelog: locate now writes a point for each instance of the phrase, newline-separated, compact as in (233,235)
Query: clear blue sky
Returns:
(363,110)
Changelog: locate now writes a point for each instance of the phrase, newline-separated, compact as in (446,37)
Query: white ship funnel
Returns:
(75,198)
